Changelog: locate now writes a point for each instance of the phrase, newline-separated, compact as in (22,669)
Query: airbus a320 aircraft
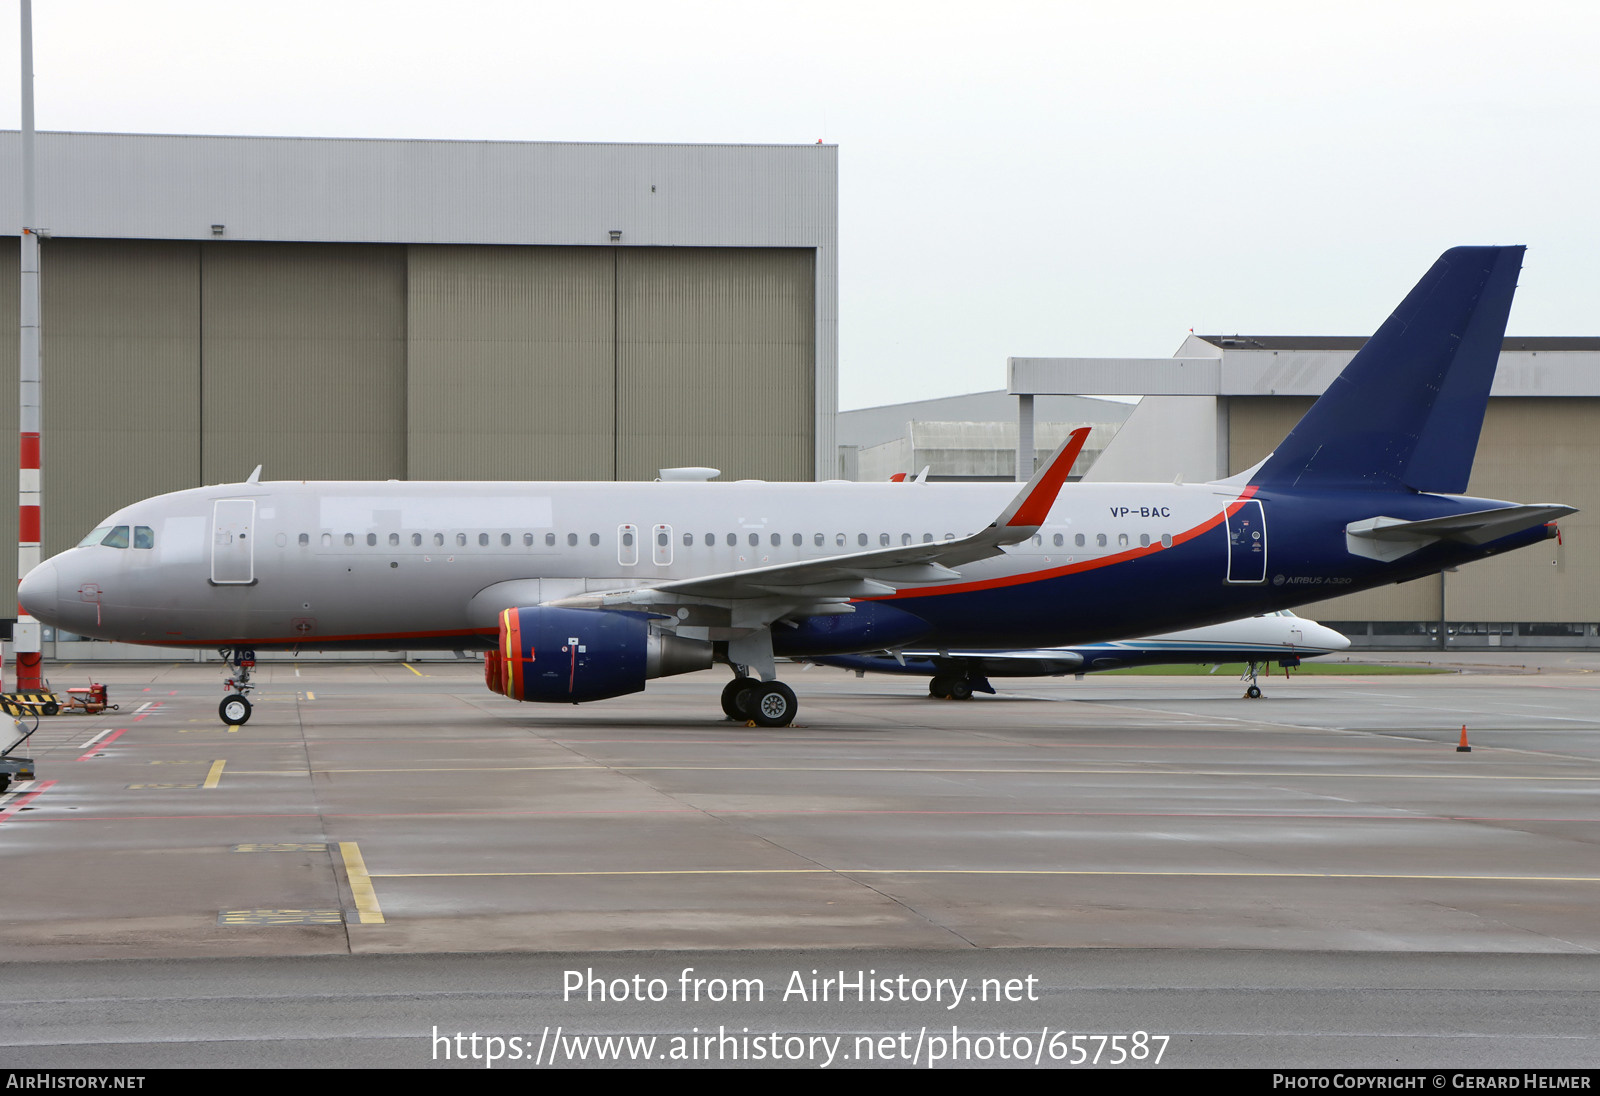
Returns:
(582,591)
(1256,641)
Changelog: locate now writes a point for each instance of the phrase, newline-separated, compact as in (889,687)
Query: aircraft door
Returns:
(1247,543)
(233,542)
(661,545)
(628,545)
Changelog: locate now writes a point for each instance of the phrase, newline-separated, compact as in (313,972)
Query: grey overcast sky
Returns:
(1014,178)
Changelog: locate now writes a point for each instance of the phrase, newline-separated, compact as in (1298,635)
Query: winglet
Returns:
(1033,502)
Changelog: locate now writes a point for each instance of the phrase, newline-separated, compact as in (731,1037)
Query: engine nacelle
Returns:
(573,655)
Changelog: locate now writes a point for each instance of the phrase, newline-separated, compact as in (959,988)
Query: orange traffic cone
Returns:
(1463,748)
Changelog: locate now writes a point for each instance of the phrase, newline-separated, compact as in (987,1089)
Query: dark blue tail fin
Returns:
(1406,412)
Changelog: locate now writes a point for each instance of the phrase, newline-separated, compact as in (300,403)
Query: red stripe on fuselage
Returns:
(1073,568)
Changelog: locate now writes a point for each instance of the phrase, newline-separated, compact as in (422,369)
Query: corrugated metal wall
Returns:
(303,353)
(121,348)
(714,361)
(512,363)
(170,364)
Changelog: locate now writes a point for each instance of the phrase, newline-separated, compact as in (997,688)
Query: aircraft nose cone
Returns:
(37,592)
(1329,638)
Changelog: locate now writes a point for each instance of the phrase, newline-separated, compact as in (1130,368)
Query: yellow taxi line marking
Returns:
(361,889)
(413,669)
(1007,871)
(310,695)
(214,777)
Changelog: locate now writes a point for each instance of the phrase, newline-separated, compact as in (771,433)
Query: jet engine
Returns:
(575,655)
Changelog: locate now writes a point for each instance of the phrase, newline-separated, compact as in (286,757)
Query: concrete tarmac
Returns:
(395,809)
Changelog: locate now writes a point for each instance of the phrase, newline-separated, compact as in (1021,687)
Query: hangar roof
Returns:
(151,186)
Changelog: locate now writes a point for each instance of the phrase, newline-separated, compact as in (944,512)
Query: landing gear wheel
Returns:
(234,710)
(772,704)
(732,696)
(940,686)
(1253,692)
(960,689)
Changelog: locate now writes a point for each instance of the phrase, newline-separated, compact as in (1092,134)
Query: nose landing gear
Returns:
(1250,671)
(235,708)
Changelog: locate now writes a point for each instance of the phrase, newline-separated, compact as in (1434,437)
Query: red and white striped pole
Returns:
(26,645)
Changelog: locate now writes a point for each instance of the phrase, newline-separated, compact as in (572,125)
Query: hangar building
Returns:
(374,309)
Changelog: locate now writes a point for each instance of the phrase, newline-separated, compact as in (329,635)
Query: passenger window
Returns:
(438,540)
(949,536)
(755,540)
(627,540)
(1038,540)
(117,538)
(1144,540)
(883,540)
(1122,540)
(1100,539)
(305,540)
(483,540)
(594,540)
(733,540)
(349,540)
(505,540)
(549,540)
(688,540)
(799,540)
(394,540)
(372,540)
(416,540)
(711,540)
(818,539)
(327,540)
(280,540)
(927,538)
(1060,540)
(662,539)
(1166,540)
(572,540)
(777,540)
(145,537)
(1078,540)
(461,540)
(905,538)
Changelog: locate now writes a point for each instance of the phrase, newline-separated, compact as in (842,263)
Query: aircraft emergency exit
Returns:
(582,591)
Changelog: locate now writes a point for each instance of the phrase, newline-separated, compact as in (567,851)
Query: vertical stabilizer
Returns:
(1406,412)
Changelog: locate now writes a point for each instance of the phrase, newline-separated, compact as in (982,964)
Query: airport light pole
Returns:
(26,645)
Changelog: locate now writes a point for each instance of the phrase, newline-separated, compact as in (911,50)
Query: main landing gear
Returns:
(958,685)
(235,708)
(765,703)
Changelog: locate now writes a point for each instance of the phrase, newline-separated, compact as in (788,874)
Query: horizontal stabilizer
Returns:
(1385,538)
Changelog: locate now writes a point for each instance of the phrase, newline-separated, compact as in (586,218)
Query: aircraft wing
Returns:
(871,573)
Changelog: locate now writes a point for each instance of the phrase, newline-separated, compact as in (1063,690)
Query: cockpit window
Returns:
(117,538)
(95,537)
(144,536)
